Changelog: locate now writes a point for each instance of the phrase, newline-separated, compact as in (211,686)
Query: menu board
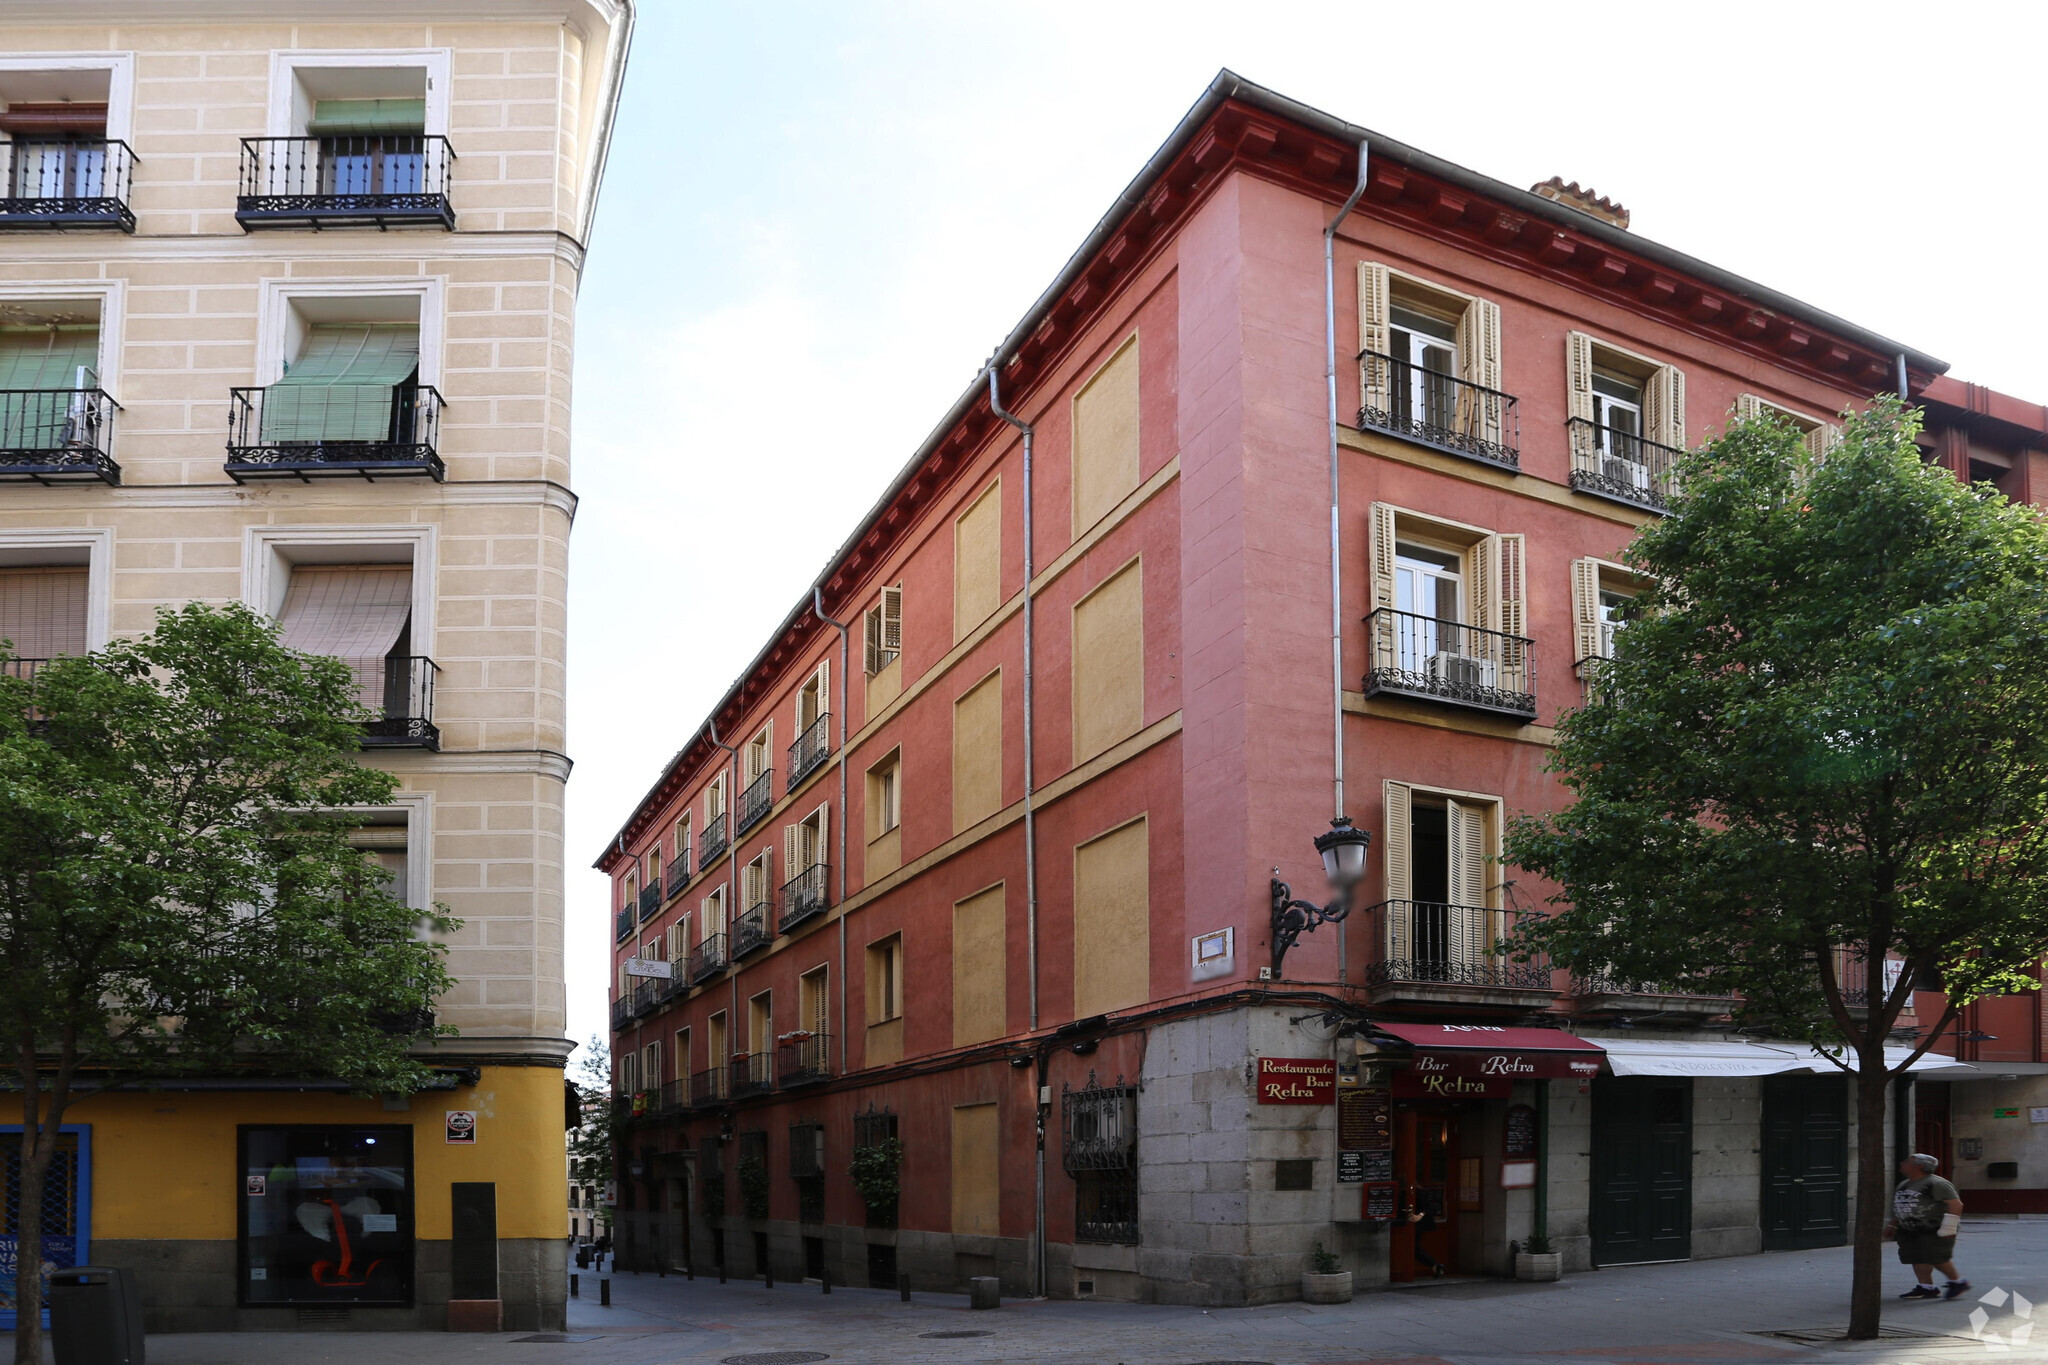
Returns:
(1520,1135)
(1377,1165)
(1365,1121)
(1380,1201)
(1350,1167)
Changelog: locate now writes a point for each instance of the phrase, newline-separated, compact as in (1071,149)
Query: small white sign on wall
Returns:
(2039,1114)
(1215,955)
(650,966)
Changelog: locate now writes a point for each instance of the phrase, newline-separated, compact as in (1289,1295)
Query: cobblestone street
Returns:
(1698,1312)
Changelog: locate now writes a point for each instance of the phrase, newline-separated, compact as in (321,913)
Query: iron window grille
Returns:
(750,930)
(753,1074)
(1432,943)
(622,923)
(807,1150)
(708,958)
(1440,411)
(1100,1152)
(873,1127)
(802,1060)
(811,748)
(755,801)
(709,1087)
(650,899)
(803,896)
(622,1013)
(381,180)
(1622,466)
(714,842)
(1416,655)
(409,416)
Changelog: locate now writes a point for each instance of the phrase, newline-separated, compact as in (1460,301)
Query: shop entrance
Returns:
(1930,1121)
(1806,1162)
(1426,1169)
(1642,1169)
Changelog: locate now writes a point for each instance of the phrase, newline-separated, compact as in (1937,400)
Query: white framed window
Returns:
(301,78)
(65,551)
(400,837)
(755,880)
(290,312)
(882,630)
(271,553)
(77,77)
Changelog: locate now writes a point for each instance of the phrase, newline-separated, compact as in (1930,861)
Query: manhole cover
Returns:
(952,1336)
(776,1358)
(1814,1336)
(554,1338)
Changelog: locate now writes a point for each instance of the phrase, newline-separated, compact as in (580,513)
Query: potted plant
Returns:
(1536,1260)
(1325,1281)
(875,1170)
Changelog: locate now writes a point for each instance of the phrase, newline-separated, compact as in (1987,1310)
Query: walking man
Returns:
(1926,1211)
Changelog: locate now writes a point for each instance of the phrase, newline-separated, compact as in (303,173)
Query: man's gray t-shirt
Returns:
(1918,1205)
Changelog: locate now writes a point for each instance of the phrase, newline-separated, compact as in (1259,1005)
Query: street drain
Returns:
(1816,1336)
(952,1336)
(776,1358)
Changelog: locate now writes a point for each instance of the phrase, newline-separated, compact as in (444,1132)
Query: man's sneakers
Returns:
(1924,1291)
(1956,1289)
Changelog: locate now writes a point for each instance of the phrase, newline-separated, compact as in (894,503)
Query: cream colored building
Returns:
(287,295)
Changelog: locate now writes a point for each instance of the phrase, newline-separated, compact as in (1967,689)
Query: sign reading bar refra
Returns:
(1297,1080)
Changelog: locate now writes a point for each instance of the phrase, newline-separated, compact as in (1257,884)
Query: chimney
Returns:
(1589,202)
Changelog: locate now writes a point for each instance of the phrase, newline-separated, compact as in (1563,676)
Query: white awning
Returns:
(352,612)
(1767,1057)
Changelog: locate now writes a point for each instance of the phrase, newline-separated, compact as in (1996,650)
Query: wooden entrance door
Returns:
(1806,1162)
(1425,1167)
(1642,1169)
(1930,1121)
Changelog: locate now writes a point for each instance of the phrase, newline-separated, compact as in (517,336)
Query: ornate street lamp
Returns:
(1343,849)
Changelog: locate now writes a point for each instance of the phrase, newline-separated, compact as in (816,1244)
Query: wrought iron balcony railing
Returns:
(307,432)
(643,996)
(1622,466)
(710,1087)
(715,842)
(1420,656)
(753,1074)
(675,1096)
(755,801)
(650,899)
(402,687)
(803,896)
(707,959)
(623,922)
(1440,411)
(1604,983)
(803,1058)
(678,873)
(380,180)
(66,182)
(622,1012)
(751,931)
(667,988)
(57,436)
(1434,944)
(812,747)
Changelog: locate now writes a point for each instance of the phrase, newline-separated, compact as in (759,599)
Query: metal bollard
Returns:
(768,1274)
(903,1286)
(575,1290)
(825,1278)
(721,1272)
(661,1268)
(604,1292)
(689,1270)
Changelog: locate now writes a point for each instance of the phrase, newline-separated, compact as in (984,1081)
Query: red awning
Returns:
(1487,1038)
(1479,1060)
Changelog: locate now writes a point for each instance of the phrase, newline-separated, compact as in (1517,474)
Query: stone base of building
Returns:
(189,1286)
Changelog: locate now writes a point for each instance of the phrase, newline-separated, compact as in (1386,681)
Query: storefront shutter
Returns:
(333,118)
(1400,808)
(1375,380)
(42,611)
(341,386)
(1585,610)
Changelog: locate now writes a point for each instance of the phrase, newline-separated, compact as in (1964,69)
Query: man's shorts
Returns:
(1925,1248)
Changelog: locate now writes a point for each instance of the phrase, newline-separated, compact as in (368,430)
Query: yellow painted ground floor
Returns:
(279,1209)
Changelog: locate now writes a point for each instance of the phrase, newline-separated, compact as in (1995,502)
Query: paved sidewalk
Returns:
(1692,1313)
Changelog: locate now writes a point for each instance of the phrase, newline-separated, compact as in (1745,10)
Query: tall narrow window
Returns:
(42,614)
(882,630)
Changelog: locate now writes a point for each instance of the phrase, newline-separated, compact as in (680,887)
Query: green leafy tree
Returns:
(177,891)
(1822,746)
(596,1131)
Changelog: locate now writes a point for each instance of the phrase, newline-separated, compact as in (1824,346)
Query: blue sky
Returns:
(819,219)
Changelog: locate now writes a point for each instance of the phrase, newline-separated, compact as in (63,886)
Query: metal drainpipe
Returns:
(818,606)
(732,854)
(1336,523)
(1905,393)
(995,403)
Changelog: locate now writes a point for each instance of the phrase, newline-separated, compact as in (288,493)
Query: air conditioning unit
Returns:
(1461,670)
(1626,473)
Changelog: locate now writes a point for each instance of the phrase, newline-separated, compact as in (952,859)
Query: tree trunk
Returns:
(1873,1199)
(36,1152)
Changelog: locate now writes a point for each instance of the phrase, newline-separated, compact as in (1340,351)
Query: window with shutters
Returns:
(1448,612)
(804,869)
(813,743)
(1602,594)
(357,140)
(1429,365)
(1819,436)
(362,614)
(757,779)
(1442,924)
(42,615)
(882,630)
(753,927)
(884,816)
(1626,422)
(679,865)
(64,165)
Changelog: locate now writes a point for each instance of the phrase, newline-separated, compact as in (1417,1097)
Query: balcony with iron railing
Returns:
(812,748)
(802,1058)
(715,842)
(1605,993)
(312,431)
(66,181)
(752,1074)
(1413,655)
(710,1087)
(675,1097)
(804,896)
(1622,466)
(1434,953)
(643,996)
(400,688)
(622,1012)
(678,873)
(1440,411)
(677,982)
(750,930)
(51,436)
(755,801)
(650,899)
(623,923)
(707,959)
(380,180)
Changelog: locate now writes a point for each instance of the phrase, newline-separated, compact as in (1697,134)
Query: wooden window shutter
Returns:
(1383,535)
(792,851)
(871,637)
(1482,586)
(1467,830)
(1585,610)
(824,677)
(1664,407)
(820,853)
(1375,377)
(1578,351)
(1513,608)
(1748,407)
(1478,339)
(892,620)
(1822,439)
(1400,808)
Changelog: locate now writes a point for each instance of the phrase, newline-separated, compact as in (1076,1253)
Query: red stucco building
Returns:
(979,852)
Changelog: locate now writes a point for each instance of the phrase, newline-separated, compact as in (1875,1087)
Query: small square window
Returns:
(1294,1175)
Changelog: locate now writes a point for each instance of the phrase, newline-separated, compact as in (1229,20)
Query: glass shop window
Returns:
(327,1215)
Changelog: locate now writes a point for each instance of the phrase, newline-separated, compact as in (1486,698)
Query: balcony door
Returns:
(42,614)
(1447,848)
(1618,430)
(1429,591)
(371,147)
(1426,364)
(45,375)
(362,615)
(350,383)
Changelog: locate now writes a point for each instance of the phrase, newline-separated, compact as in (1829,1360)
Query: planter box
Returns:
(1326,1288)
(1547,1267)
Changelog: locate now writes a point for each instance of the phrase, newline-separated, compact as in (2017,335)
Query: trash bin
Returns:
(95,1316)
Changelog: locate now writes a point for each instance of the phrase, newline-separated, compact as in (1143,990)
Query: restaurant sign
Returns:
(1297,1080)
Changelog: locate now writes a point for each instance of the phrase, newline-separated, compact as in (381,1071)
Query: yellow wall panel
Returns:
(1109,663)
(978,562)
(977,1188)
(978,937)
(978,752)
(1112,921)
(1105,459)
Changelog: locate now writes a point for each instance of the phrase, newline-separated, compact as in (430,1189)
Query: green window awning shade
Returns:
(334,118)
(49,362)
(341,386)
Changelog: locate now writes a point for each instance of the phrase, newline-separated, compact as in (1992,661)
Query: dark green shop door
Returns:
(1806,1162)
(1642,1169)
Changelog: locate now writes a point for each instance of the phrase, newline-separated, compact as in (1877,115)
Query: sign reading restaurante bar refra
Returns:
(1297,1080)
